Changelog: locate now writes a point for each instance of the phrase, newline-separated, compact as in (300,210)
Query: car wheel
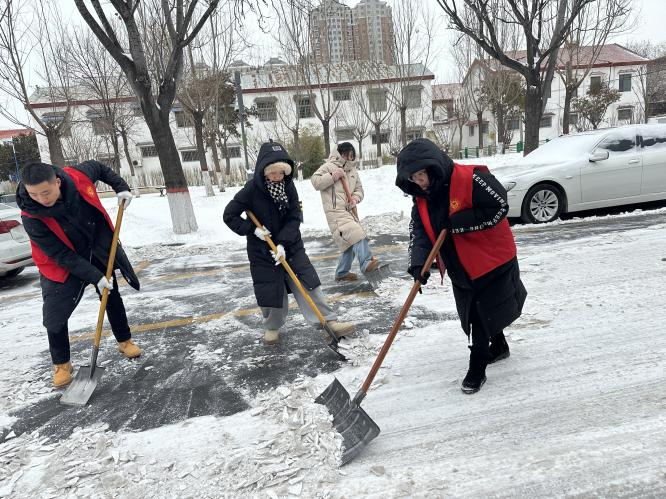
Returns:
(543,203)
(14,272)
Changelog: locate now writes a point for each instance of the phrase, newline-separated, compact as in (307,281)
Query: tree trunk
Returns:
(128,157)
(378,135)
(297,151)
(460,137)
(479,120)
(532,117)
(360,152)
(227,160)
(55,147)
(326,124)
(197,117)
(403,125)
(116,153)
(218,168)
(183,219)
(500,121)
(568,94)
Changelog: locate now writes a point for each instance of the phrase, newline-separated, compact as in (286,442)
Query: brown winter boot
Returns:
(129,349)
(349,276)
(341,328)
(271,336)
(62,375)
(374,263)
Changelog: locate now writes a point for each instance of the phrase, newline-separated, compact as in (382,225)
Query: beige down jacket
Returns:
(346,230)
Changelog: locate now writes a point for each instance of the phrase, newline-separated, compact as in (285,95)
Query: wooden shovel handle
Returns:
(345,186)
(109,273)
(400,319)
(291,273)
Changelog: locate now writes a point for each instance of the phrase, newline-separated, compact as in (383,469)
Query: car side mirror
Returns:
(598,155)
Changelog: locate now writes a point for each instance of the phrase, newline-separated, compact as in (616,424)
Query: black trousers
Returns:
(60,300)
(481,336)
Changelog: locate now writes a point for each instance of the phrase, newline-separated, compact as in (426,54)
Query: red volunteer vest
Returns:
(46,265)
(479,251)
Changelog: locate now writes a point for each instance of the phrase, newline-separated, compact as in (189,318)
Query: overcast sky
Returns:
(650,25)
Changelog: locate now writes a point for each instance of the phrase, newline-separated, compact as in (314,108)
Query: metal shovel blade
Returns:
(351,421)
(82,386)
(377,276)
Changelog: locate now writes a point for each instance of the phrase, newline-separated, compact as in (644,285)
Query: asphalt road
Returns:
(197,322)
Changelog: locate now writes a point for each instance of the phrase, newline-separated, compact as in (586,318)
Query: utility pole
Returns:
(241,111)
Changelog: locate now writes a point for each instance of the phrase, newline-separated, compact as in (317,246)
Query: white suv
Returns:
(588,170)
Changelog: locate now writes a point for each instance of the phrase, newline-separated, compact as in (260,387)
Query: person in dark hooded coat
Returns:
(271,195)
(70,234)
(479,251)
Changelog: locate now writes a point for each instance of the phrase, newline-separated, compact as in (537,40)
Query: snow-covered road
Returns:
(578,410)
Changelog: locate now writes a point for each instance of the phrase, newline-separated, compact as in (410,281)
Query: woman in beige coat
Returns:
(345,228)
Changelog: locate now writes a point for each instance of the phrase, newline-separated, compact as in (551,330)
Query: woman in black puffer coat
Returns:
(271,195)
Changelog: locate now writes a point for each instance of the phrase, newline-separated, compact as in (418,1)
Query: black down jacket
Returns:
(83,224)
(267,277)
(497,295)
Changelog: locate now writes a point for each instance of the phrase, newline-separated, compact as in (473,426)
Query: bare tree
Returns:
(585,42)
(413,29)
(353,118)
(650,79)
(35,32)
(503,93)
(166,29)
(545,25)
(315,74)
(371,77)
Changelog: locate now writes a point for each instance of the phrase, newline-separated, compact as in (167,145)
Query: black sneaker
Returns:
(472,382)
(499,348)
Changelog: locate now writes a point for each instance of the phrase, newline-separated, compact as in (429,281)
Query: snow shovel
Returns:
(351,421)
(87,378)
(375,277)
(333,345)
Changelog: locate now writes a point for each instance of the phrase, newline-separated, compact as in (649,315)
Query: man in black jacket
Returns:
(479,250)
(71,233)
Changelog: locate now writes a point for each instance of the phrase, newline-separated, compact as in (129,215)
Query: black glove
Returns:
(416,274)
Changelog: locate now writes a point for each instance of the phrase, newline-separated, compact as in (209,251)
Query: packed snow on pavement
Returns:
(577,410)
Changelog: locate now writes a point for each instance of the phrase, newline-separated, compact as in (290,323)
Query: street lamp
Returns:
(11,141)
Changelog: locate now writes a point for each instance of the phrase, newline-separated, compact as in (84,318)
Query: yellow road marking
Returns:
(184,321)
(240,268)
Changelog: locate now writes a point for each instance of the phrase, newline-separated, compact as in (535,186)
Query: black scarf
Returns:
(277,192)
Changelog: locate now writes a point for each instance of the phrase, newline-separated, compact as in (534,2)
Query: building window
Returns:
(182,120)
(377,100)
(148,151)
(414,134)
(625,114)
(546,122)
(266,109)
(383,138)
(573,119)
(342,134)
(411,96)
(342,94)
(232,152)
(513,124)
(304,106)
(101,125)
(595,84)
(54,119)
(471,130)
(484,129)
(625,82)
(190,156)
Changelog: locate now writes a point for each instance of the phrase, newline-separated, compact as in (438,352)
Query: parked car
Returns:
(15,252)
(588,170)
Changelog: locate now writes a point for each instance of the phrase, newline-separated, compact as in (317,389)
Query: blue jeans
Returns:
(362,251)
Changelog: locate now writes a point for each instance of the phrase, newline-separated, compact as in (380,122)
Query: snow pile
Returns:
(87,463)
